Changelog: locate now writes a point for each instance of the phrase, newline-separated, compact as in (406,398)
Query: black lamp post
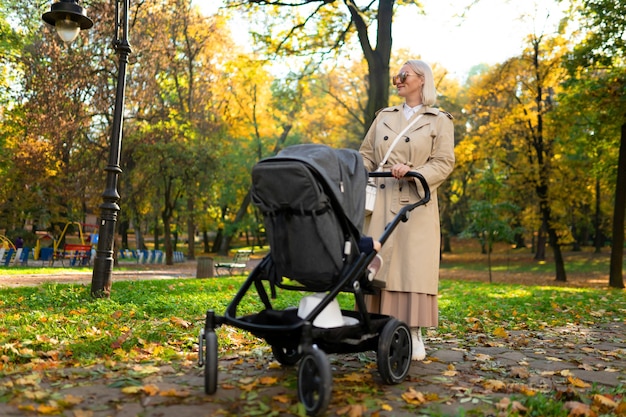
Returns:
(68,14)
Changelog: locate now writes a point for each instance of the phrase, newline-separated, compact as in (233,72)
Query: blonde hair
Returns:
(429,92)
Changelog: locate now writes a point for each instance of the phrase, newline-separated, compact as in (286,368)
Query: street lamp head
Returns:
(68,17)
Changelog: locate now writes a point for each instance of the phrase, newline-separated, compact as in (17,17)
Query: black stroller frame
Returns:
(296,340)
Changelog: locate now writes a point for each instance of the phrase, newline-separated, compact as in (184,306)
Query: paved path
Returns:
(454,376)
(474,373)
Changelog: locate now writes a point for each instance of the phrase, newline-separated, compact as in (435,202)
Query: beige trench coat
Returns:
(411,254)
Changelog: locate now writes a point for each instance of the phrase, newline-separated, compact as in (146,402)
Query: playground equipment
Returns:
(75,253)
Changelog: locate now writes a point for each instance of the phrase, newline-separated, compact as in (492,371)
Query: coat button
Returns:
(407,139)
(386,138)
(382,185)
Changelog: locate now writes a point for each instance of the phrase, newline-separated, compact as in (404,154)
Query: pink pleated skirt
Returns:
(415,309)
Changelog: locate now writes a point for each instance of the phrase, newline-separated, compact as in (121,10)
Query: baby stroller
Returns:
(312,198)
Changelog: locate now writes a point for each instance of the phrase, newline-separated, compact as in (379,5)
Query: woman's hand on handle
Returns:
(399,170)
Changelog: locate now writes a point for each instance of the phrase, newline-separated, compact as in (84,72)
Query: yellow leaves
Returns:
(481,357)
(578,383)
(283,399)
(494,385)
(268,380)
(413,397)
(355,377)
(451,371)
(150,390)
(131,390)
(145,369)
(604,401)
(32,380)
(500,332)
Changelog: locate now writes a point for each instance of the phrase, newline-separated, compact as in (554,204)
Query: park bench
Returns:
(76,254)
(239,262)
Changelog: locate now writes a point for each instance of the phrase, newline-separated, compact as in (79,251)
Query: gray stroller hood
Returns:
(312,198)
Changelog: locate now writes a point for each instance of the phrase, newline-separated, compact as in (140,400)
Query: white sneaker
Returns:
(419,350)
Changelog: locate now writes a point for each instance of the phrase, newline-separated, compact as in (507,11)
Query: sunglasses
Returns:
(401,78)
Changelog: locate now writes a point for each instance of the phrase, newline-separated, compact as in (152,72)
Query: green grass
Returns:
(169,313)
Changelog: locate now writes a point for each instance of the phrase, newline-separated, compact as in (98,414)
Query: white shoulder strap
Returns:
(393,144)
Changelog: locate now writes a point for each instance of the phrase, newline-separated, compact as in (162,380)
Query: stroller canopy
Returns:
(343,172)
(312,198)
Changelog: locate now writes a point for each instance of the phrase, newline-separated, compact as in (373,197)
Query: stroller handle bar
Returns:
(403,213)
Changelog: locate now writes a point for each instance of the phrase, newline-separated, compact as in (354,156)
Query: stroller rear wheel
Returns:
(286,356)
(210,362)
(394,352)
(314,381)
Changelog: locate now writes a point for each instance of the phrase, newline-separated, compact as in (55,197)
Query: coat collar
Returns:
(425,109)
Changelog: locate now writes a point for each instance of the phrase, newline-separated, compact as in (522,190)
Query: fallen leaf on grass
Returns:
(578,409)
(604,401)
(500,332)
(180,322)
(511,407)
(83,413)
(123,337)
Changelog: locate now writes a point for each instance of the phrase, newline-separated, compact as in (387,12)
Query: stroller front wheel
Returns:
(394,352)
(210,362)
(314,381)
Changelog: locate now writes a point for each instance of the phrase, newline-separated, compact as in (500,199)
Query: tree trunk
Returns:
(377,59)
(559,263)
(139,239)
(228,237)
(156,233)
(167,239)
(616,277)
(597,242)
(540,249)
(191,229)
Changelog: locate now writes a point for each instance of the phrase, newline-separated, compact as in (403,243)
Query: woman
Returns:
(411,255)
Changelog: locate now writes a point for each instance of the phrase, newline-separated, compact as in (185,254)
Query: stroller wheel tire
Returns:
(314,381)
(210,362)
(394,352)
(286,356)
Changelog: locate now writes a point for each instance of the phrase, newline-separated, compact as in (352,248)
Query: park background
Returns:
(539,136)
